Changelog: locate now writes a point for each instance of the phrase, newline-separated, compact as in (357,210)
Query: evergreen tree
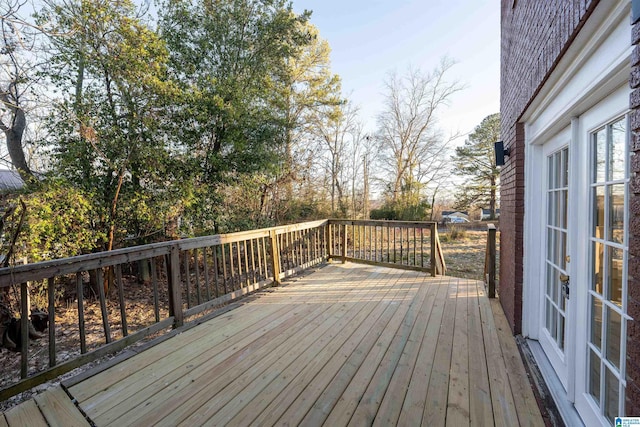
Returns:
(476,162)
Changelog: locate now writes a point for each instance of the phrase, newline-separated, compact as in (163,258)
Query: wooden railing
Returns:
(490,261)
(184,278)
(397,244)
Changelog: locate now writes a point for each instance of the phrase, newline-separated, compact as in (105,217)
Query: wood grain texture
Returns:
(58,409)
(349,344)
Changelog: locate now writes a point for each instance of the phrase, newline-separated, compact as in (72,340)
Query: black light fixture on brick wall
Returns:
(500,152)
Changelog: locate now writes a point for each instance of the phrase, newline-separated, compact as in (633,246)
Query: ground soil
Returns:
(464,254)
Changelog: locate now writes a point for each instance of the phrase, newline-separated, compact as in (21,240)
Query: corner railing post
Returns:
(433,249)
(175,293)
(491,248)
(344,243)
(275,257)
(329,240)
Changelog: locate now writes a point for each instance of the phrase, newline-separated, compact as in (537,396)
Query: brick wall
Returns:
(535,34)
(632,404)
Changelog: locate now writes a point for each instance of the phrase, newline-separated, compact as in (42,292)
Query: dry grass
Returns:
(465,254)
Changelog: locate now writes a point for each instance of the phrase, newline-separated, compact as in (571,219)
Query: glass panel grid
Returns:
(556,244)
(607,308)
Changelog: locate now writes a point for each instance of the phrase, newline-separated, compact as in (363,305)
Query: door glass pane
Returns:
(565,168)
(618,150)
(551,244)
(610,395)
(560,208)
(599,155)
(560,331)
(565,203)
(614,282)
(594,375)
(598,266)
(596,322)
(616,213)
(598,214)
(557,174)
(562,249)
(613,337)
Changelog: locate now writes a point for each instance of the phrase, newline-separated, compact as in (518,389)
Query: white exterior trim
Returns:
(588,88)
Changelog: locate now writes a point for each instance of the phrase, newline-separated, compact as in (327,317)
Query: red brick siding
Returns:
(632,404)
(535,34)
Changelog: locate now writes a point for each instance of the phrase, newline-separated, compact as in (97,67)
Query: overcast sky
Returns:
(370,38)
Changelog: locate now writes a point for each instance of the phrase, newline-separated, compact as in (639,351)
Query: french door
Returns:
(583,262)
(607,290)
(556,288)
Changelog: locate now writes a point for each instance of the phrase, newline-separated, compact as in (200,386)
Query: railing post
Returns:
(491,247)
(344,243)
(433,249)
(329,241)
(175,294)
(24,329)
(275,257)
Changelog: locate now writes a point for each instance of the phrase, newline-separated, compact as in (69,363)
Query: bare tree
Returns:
(412,149)
(22,92)
(334,127)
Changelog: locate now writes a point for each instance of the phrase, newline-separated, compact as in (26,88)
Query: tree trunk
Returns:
(13,135)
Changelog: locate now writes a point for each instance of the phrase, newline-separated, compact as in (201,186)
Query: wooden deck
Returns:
(347,345)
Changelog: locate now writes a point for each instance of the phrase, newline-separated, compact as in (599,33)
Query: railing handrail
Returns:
(383,222)
(45,269)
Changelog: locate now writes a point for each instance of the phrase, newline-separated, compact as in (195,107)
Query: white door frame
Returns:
(558,359)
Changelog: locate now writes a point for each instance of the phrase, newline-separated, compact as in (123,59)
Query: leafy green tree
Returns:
(229,58)
(475,161)
(309,89)
(105,126)
(57,223)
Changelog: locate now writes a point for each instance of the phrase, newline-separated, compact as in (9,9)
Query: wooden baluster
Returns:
(253,261)
(154,282)
(275,257)
(103,306)
(24,329)
(216,277)
(224,269)
(123,308)
(205,264)
(196,266)
(81,331)
(175,291)
(51,290)
(187,277)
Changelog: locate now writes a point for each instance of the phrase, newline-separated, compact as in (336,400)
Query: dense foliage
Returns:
(198,117)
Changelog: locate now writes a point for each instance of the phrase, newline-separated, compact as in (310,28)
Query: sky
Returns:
(371,38)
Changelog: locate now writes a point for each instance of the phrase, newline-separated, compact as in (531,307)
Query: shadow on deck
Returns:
(349,344)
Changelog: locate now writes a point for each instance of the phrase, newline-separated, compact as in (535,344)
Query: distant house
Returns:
(10,180)
(486,214)
(570,199)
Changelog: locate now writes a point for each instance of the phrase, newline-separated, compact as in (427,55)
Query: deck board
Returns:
(58,410)
(347,345)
